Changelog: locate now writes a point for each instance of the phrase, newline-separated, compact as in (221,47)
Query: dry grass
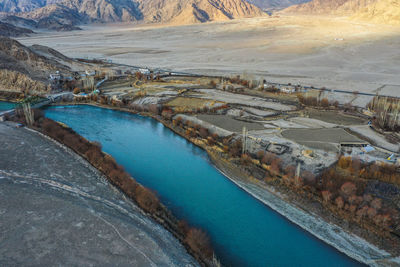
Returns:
(191,103)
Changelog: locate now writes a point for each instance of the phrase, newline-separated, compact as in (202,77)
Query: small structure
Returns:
(144,71)
(287,90)
(368,148)
(90,72)
(55,76)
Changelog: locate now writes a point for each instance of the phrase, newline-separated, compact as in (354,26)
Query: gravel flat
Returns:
(55,209)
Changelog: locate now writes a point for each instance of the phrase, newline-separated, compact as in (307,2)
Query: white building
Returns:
(55,76)
(144,71)
(90,72)
(287,90)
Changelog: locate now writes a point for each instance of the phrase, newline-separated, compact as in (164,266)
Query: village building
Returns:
(287,90)
(55,76)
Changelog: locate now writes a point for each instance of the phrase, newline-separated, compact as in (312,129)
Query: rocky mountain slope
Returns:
(20,6)
(379,11)
(55,17)
(16,57)
(317,7)
(64,14)
(194,11)
(275,4)
(382,11)
(10,30)
(19,21)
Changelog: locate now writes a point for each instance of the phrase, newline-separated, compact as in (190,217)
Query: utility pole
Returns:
(244,140)
(298,169)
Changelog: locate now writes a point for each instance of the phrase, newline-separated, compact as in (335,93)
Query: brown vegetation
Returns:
(387,112)
(12,80)
(345,183)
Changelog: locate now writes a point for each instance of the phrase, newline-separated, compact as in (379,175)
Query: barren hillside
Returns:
(66,14)
(17,57)
(275,4)
(317,7)
(382,11)
(10,30)
(194,11)
(376,11)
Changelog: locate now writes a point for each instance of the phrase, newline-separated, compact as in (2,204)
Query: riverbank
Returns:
(195,240)
(68,212)
(308,215)
(330,229)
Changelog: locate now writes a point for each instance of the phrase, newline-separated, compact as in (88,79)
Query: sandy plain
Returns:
(336,53)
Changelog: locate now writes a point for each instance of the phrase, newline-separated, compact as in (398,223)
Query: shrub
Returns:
(324,103)
(210,141)
(199,242)
(268,158)
(339,202)
(167,114)
(178,121)
(235,150)
(183,227)
(260,154)
(146,199)
(376,203)
(94,156)
(154,108)
(203,132)
(308,177)
(213,84)
(371,212)
(290,171)
(362,212)
(348,189)
(245,159)
(326,196)
(276,165)
(344,162)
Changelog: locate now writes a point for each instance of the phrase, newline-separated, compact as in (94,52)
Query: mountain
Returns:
(10,30)
(64,14)
(105,10)
(24,70)
(317,7)
(55,17)
(275,4)
(382,11)
(15,6)
(195,11)
(377,11)
(19,21)
(16,57)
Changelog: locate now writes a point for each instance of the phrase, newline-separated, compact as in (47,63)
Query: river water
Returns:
(244,232)
(6,105)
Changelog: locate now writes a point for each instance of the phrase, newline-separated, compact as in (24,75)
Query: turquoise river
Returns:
(6,106)
(244,232)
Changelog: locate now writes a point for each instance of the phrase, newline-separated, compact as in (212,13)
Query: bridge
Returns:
(50,98)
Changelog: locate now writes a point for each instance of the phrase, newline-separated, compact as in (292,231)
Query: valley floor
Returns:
(317,51)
